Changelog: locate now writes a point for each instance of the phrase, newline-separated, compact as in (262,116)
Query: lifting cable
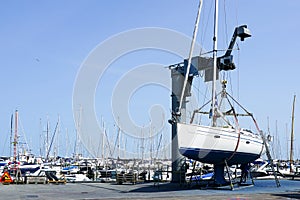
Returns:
(251,115)
(238,130)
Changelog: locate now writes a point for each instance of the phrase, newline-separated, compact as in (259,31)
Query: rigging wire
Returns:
(236,13)
(204,30)
(224,75)
(238,55)
(201,95)
(190,54)
(238,75)
(226,33)
(209,52)
(205,23)
(5,142)
(206,92)
(225,21)
(24,134)
(198,90)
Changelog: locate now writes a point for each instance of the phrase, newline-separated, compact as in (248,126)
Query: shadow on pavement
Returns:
(293,195)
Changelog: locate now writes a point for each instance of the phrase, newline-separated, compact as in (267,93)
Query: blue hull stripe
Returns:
(217,157)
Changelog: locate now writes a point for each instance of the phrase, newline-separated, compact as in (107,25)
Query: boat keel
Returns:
(219,175)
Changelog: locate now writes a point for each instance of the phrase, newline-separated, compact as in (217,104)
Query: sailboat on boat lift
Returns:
(222,141)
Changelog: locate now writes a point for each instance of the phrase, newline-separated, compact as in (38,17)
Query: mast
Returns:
(103,144)
(151,144)
(119,141)
(215,47)
(56,149)
(278,149)
(77,140)
(143,146)
(11,134)
(292,135)
(47,138)
(15,138)
(40,138)
(67,143)
(287,141)
(52,140)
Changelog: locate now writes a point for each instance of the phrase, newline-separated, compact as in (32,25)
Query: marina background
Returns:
(43,45)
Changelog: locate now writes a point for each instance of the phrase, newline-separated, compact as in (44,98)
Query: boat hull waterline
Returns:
(214,145)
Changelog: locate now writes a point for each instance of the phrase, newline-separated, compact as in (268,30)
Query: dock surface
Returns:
(263,189)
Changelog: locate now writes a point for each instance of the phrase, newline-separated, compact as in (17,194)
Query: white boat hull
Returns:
(214,145)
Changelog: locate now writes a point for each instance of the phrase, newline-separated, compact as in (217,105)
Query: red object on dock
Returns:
(6,178)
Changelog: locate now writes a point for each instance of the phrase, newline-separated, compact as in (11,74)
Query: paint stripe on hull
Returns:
(215,156)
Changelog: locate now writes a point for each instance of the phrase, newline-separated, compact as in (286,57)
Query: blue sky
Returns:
(43,44)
